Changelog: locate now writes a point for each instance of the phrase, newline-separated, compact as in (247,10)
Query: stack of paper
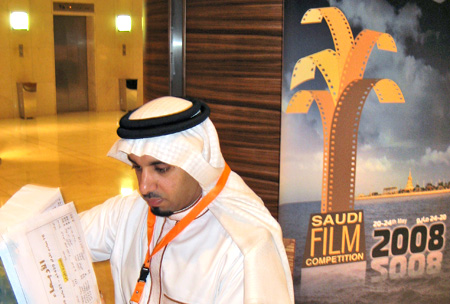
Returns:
(43,250)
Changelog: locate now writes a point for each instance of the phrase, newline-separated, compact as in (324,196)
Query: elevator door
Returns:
(70,63)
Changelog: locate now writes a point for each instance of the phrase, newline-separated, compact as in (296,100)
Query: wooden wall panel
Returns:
(233,62)
(156,52)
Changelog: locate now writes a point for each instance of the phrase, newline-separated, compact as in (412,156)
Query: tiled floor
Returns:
(66,151)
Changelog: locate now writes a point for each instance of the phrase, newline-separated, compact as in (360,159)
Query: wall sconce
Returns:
(19,21)
(123,23)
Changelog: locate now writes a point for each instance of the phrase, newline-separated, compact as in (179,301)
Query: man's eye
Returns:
(136,167)
(162,169)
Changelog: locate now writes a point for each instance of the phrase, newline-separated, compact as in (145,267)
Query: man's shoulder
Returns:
(119,204)
(130,202)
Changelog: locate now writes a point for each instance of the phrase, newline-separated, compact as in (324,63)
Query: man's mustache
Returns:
(151,195)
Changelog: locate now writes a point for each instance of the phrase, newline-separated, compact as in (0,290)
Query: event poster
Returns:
(365,150)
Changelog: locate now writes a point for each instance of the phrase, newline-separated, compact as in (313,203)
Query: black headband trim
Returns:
(158,126)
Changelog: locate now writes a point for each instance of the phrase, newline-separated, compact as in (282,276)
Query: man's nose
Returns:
(147,182)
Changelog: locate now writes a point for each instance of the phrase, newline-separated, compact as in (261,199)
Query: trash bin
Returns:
(26,95)
(128,94)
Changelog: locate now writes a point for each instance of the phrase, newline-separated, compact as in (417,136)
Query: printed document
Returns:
(45,255)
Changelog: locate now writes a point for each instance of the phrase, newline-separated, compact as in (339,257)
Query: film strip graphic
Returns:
(341,105)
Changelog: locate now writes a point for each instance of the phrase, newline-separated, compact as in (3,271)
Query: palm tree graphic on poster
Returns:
(341,105)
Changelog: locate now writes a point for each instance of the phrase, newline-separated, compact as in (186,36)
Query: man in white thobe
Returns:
(230,248)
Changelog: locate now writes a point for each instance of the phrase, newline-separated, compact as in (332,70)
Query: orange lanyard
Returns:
(183,223)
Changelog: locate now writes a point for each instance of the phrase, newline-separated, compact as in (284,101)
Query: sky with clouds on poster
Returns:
(392,138)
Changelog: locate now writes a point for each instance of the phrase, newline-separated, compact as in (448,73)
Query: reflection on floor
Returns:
(66,151)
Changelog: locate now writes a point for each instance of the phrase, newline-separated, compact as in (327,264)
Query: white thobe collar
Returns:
(179,215)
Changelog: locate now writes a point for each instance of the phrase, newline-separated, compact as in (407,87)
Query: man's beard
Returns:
(158,212)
